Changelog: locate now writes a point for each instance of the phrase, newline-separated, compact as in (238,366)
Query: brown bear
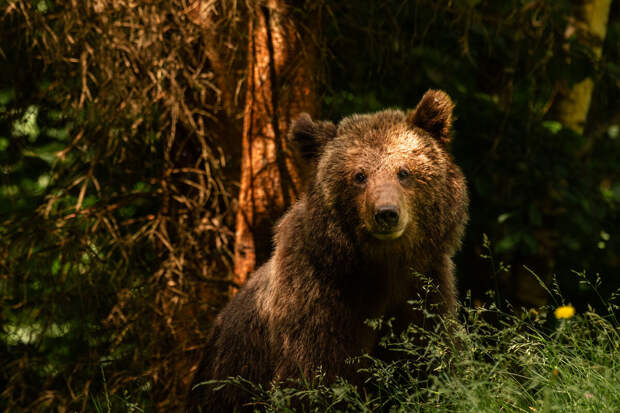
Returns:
(385,199)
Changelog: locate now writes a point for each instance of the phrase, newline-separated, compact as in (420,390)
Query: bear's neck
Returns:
(328,247)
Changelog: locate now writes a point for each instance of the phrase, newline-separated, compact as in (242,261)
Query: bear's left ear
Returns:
(311,136)
(434,115)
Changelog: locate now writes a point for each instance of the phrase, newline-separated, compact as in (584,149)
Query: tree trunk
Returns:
(590,25)
(280,86)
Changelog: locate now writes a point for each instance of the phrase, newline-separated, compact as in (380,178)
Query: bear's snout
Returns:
(387,217)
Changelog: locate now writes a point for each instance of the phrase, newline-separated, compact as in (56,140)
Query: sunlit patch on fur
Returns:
(390,236)
(403,142)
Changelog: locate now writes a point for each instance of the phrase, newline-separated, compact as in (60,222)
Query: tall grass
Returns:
(486,361)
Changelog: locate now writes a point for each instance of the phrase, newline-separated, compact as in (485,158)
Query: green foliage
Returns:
(487,361)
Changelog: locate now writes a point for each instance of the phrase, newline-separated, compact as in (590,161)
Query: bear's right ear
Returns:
(310,136)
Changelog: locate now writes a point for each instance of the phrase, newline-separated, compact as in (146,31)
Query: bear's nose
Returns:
(387,216)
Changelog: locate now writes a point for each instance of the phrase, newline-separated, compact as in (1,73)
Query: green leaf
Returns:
(552,126)
(503,217)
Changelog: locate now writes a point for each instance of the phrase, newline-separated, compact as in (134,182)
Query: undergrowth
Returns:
(488,360)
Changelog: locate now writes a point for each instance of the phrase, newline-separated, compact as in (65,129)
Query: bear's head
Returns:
(387,177)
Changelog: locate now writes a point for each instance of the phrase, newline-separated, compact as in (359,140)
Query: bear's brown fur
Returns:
(385,200)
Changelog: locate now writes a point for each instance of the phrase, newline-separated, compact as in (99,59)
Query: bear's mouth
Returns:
(386,236)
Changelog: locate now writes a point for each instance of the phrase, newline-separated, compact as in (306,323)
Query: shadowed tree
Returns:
(281,84)
(590,27)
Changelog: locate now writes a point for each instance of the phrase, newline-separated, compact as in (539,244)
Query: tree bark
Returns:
(590,25)
(281,84)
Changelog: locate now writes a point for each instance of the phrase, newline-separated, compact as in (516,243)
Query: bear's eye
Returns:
(360,178)
(404,174)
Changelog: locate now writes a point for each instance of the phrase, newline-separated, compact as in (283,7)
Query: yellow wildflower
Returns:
(565,311)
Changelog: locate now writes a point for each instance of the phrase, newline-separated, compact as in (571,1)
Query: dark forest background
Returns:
(132,197)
